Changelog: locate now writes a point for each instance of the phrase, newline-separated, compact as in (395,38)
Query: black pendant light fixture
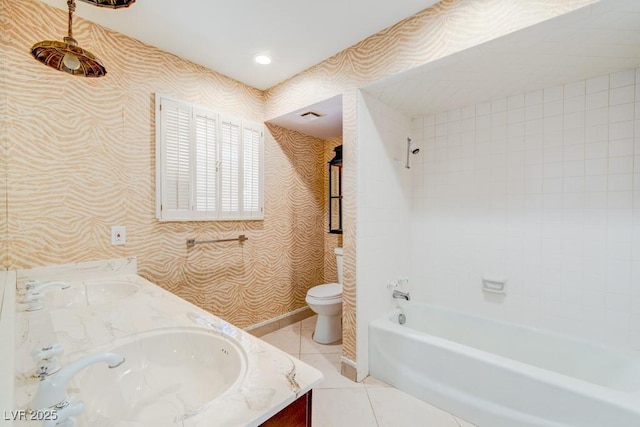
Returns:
(113,4)
(335,192)
(66,55)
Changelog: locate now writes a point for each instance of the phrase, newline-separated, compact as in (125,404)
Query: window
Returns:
(209,166)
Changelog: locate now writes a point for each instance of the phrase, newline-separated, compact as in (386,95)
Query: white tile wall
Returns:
(383,215)
(542,187)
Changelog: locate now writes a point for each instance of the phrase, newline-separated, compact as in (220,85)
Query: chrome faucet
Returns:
(52,390)
(401,295)
(35,291)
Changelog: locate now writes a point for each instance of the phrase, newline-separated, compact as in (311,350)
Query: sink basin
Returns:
(101,292)
(167,376)
(90,293)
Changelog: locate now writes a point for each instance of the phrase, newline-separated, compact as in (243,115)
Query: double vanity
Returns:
(97,344)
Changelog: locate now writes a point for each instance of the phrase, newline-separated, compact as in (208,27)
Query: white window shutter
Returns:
(206,164)
(209,166)
(229,167)
(252,170)
(175,155)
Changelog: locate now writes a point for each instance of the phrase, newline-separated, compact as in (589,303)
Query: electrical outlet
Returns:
(118,235)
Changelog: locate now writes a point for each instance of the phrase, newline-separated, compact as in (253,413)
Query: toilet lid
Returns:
(330,290)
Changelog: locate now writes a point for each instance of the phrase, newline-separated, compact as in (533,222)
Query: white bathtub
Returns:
(497,374)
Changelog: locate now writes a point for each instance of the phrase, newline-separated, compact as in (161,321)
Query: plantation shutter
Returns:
(176,137)
(209,166)
(252,170)
(229,167)
(206,182)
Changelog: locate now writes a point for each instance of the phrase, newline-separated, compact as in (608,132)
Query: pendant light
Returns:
(113,4)
(66,55)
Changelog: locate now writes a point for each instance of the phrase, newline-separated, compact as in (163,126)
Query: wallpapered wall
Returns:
(448,27)
(80,157)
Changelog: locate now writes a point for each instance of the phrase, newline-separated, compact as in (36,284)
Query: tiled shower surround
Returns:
(541,188)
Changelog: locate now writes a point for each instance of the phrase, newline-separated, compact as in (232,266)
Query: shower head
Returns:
(412,148)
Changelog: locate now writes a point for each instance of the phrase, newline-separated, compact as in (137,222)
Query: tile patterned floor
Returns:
(339,402)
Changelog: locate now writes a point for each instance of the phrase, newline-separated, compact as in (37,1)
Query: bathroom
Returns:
(66,187)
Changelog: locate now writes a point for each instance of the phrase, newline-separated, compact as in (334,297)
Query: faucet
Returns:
(47,359)
(36,287)
(52,390)
(35,290)
(401,295)
(63,413)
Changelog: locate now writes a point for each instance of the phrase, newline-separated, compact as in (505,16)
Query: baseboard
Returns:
(271,325)
(348,369)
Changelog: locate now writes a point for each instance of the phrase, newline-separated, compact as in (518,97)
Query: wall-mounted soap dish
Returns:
(494,285)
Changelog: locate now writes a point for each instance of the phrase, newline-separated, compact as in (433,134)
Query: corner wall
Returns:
(384,202)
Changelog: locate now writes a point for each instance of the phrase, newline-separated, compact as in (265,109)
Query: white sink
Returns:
(167,376)
(102,292)
(90,293)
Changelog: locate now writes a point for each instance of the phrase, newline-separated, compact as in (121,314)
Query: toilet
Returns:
(326,301)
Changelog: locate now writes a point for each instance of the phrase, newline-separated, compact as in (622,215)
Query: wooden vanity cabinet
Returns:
(298,414)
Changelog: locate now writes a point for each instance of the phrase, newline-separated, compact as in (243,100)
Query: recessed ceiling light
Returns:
(263,60)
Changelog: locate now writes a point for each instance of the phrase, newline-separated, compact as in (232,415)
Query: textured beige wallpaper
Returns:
(81,158)
(448,27)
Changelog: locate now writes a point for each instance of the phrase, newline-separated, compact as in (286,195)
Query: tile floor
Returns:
(338,401)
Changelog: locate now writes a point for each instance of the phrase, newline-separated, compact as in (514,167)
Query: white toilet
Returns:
(326,301)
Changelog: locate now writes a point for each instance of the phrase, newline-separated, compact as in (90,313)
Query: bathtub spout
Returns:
(401,295)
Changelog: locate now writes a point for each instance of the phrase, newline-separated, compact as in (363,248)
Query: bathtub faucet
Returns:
(401,295)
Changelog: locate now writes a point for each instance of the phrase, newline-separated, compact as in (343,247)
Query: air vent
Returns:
(310,116)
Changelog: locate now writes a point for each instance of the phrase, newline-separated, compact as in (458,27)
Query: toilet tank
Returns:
(338,252)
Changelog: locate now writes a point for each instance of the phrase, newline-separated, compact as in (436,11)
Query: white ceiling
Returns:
(586,43)
(225,36)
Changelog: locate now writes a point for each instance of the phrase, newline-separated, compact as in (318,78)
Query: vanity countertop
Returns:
(86,324)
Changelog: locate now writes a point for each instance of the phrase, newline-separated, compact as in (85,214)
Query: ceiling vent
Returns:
(310,116)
